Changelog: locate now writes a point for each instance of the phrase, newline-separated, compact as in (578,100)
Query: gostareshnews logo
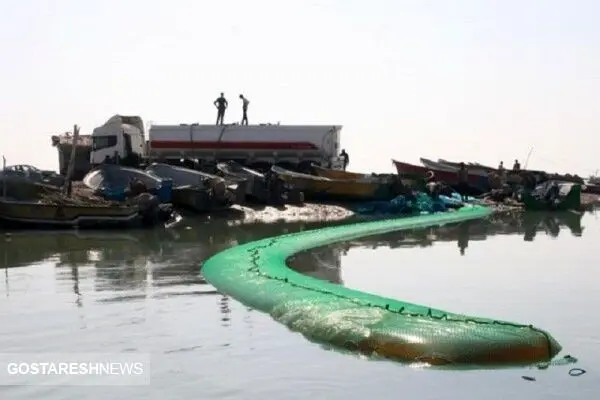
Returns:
(75,369)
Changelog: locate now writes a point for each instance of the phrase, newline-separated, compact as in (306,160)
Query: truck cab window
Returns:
(103,142)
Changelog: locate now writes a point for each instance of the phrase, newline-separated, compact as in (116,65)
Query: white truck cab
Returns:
(121,136)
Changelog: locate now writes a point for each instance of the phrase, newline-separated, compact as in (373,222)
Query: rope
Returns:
(255,257)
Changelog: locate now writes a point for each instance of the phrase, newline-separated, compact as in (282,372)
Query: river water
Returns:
(142,293)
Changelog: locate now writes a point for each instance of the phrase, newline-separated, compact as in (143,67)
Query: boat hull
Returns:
(569,201)
(337,174)
(321,188)
(417,172)
(201,200)
(470,165)
(113,182)
(16,214)
(255,185)
(197,190)
(448,167)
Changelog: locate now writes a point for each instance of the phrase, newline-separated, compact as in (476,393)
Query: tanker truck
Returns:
(257,146)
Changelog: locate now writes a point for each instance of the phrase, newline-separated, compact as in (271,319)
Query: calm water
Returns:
(141,292)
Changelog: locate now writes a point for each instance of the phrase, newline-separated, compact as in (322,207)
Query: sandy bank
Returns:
(309,212)
(319,212)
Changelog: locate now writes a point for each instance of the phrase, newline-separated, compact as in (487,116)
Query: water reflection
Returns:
(142,291)
(527,225)
(137,265)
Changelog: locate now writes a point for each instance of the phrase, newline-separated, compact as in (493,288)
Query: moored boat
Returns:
(261,187)
(255,184)
(553,196)
(591,188)
(318,187)
(541,176)
(113,182)
(337,174)
(418,172)
(451,167)
(33,214)
(470,165)
(197,190)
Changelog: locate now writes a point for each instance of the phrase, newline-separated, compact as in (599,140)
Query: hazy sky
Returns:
(464,80)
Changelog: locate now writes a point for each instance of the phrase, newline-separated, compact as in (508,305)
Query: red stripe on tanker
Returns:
(238,145)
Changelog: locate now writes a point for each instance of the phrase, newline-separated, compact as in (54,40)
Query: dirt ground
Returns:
(309,212)
(315,212)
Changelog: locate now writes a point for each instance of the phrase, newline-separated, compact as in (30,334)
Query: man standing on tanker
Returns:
(221,104)
(245,103)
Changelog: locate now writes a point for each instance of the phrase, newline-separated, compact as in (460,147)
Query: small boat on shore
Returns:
(254,183)
(321,188)
(260,187)
(337,174)
(35,214)
(419,173)
(591,188)
(452,167)
(470,165)
(553,196)
(113,182)
(476,168)
(198,191)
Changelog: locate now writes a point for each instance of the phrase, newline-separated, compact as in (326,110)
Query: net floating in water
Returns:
(256,274)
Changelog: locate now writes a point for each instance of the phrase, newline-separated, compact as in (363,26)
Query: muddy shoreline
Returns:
(338,212)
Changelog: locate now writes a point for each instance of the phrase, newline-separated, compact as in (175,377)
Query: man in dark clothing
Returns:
(221,104)
(463,181)
(517,166)
(345,158)
(245,103)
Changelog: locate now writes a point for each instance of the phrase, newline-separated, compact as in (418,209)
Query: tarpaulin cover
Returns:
(422,203)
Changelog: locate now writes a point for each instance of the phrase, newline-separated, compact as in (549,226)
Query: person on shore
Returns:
(463,187)
(516,167)
(245,103)
(432,186)
(345,158)
(221,104)
(502,172)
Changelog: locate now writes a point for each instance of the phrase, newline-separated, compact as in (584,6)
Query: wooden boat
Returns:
(32,214)
(337,174)
(591,188)
(197,190)
(260,187)
(442,166)
(113,182)
(470,165)
(419,173)
(318,187)
(568,197)
(475,168)
(255,183)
